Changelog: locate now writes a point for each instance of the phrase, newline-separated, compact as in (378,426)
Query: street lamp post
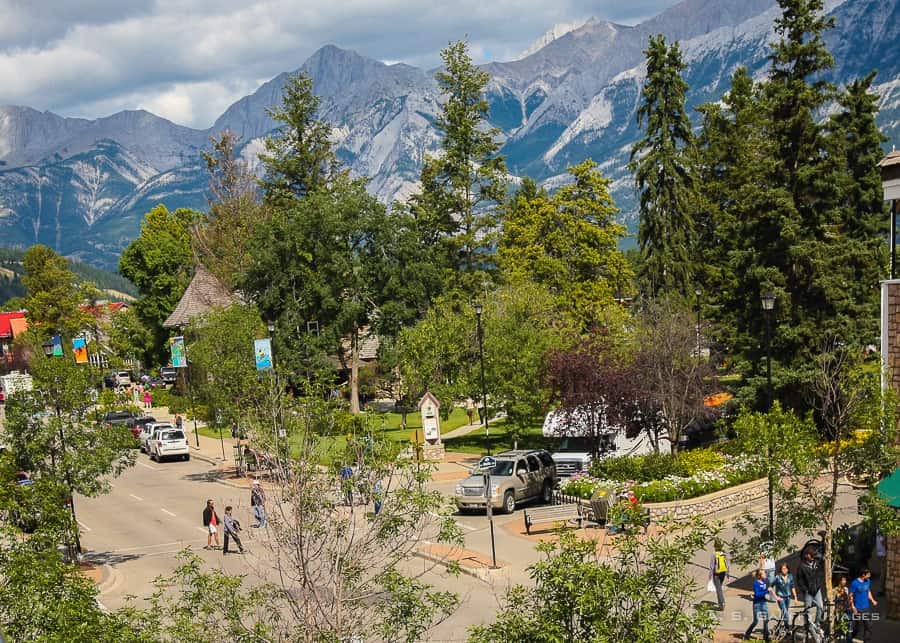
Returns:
(768,305)
(187,377)
(70,501)
(698,292)
(484,406)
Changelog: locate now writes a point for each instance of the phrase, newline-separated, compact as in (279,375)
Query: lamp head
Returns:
(768,300)
(478,308)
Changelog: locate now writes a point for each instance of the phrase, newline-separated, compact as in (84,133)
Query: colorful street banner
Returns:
(79,348)
(262,349)
(57,346)
(179,358)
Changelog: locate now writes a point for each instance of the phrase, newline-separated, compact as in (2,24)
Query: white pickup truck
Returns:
(575,450)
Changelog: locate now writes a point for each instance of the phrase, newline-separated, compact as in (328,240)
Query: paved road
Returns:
(153,512)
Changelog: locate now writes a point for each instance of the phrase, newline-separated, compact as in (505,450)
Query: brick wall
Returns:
(890,355)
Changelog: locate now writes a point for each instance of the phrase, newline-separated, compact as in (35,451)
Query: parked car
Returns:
(519,476)
(168,442)
(116,418)
(123,378)
(136,424)
(156,382)
(169,374)
(147,433)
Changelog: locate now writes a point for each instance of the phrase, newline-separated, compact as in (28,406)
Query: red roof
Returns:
(5,325)
(111,307)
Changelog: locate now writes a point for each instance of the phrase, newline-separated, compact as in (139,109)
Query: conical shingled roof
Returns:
(203,293)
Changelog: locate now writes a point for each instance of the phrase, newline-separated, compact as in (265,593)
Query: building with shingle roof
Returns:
(204,293)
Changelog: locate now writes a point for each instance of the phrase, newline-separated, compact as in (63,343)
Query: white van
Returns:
(123,378)
(13,383)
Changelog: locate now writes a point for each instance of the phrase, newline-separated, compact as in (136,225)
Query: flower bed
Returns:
(706,473)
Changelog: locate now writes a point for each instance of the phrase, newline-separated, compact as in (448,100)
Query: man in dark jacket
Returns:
(211,522)
(811,581)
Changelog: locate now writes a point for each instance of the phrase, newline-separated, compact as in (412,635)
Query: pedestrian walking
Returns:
(881,554)
(760,605)
(232,527)
(258,502)
(378,496)
(718,570)
(211,522)
(861,604)
(811,582)
(785,590)
(470,409)
(843,613)
(346,475)
(148,399)
(178,421)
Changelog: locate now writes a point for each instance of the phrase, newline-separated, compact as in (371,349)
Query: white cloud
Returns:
(187,60)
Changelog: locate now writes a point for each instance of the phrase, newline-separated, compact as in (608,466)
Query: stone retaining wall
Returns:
(710,503)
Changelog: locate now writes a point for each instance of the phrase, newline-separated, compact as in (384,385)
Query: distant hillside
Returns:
(113,285)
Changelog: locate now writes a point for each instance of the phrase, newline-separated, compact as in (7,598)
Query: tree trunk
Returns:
(354,371)
(828,538)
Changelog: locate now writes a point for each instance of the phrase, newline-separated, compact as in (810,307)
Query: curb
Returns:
(109,580)
(484,574)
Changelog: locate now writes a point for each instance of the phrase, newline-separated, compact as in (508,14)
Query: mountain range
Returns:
(82,186)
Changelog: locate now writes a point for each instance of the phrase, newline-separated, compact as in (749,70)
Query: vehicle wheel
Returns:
(547,493)
(187,456)
(152,457)
(509,502)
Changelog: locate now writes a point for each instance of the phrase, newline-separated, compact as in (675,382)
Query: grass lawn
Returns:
(501,440)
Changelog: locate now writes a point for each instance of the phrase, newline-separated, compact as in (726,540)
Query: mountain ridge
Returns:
(83,185)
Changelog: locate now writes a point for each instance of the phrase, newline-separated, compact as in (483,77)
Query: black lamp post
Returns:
(768,305)
(484,406)
(70,501)
(698,292)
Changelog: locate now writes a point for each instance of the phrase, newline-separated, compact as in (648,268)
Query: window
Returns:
(172,435)
(521,467)
(545,459)
(534,464)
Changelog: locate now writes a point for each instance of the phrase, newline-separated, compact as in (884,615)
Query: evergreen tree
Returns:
(660,162)
(299,158)
(53,294)
(460,186)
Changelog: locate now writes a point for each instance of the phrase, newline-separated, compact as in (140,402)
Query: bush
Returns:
(691,462)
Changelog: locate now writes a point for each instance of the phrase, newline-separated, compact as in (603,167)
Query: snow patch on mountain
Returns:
(554,32)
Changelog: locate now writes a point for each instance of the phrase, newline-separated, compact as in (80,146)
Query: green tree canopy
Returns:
(53,294)
(567,241)
(159,262)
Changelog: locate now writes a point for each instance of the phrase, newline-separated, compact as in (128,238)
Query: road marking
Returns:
(205,530)
(469,527)
(166,511)
(169,544)
(136,497)
(147,466)
(84,526)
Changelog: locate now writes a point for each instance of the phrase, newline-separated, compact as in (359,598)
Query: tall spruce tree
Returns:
(299,158)
(660,162)
(461,187)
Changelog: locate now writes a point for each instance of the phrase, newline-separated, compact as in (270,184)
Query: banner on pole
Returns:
(57,346)
(262,350)
(79,348)
(179,358)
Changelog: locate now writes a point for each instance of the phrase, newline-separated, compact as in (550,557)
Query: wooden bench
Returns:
(552,513)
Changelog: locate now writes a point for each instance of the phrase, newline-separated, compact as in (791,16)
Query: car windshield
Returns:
(503,468)
(172,435)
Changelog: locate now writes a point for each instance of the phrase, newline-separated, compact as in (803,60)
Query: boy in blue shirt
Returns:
(760,605)
(861,602)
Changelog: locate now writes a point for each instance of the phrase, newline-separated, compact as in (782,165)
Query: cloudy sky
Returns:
(187,60)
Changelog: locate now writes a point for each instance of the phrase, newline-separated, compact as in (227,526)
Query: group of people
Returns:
(853,601)
(229,525)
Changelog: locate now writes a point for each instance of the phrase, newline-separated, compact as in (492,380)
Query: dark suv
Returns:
(117,418)
(519,476)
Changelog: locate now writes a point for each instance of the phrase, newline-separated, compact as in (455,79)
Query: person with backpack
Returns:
(760,605)
(718,570)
